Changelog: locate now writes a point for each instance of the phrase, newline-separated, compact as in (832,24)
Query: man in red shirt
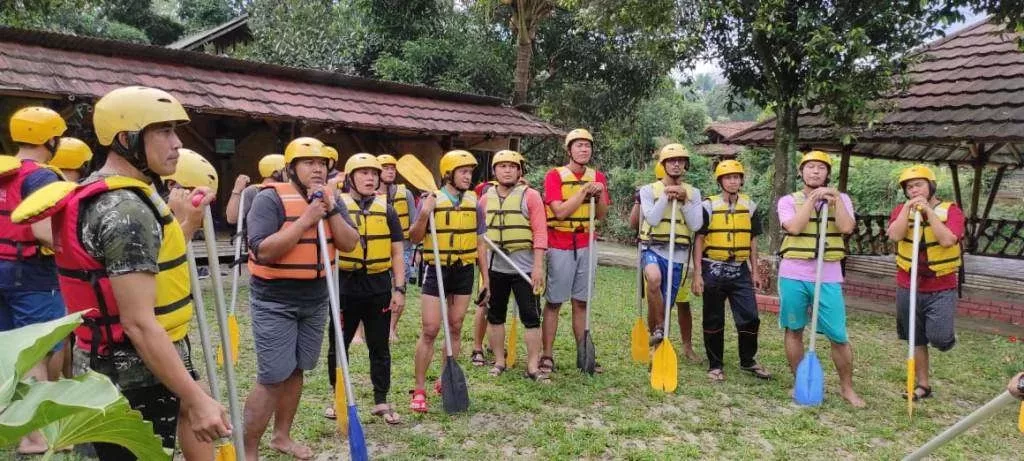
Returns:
(939,259)
(567,193)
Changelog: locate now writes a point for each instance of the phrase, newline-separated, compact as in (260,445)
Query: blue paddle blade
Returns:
(809,386)
(356,439)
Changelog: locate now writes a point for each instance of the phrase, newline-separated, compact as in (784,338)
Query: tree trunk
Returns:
(524,54)
(785,145)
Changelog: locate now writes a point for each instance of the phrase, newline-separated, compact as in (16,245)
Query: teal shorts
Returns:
(796,299)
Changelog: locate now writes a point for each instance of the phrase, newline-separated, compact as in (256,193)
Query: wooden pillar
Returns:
(992,193)
(955,171)
(844,167)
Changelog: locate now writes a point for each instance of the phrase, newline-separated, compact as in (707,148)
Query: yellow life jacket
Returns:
(399,201)
(729,230)
(579,220)
(456,230)
(660,233)
(507,226)
(941,260)
(805,244)
(373,253)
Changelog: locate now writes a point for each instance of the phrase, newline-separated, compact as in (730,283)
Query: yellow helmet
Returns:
(271,163)
(331,151)
(577,134)
(193,171)
(71,154)
(306,147)
(455,159)
(817,156)
(36,125)
(916,172)
(672,151)
(659,171)
(132,109)
(387,159)
(510,156)
(362,160)
(728,167)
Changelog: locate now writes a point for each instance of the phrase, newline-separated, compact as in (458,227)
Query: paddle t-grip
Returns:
(197,199)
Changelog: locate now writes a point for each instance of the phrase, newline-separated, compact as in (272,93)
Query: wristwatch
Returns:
(400,289)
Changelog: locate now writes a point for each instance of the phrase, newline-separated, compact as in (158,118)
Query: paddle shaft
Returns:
(639,269)
(222,323)
(332,296)
(818,268)
(496,250)
(440,288)
(199,311)
(238,254)
(671,262)
(591,259)
(912,309)
(969,421)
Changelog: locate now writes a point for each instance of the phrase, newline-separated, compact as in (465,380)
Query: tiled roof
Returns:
(44,63)
(727,129)
(196,40)
(969,86)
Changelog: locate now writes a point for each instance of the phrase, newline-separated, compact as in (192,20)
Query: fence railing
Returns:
(1001,238)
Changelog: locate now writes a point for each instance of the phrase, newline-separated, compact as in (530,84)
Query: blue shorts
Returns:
(649,257)
(24,307)
(796,298)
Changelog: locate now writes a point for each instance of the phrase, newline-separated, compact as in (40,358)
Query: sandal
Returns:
(547,364)
(924,395)
(389,415)
(598,369)
(538,377)
(329,413)
(437,386)
(757,370)
(419,401)
(716,375)
(497,370)
(478,359)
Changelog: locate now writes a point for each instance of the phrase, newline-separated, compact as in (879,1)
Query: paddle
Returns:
(809,386)
(640,338)
(912,315)
(977,416)
(454,390)
(665,365)
(356,438)
(586,359)
(213,263)
(510,351)
(235,271)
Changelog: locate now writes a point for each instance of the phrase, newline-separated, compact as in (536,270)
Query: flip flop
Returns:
(538,377)
(757,370)
(497,370)
(716,375)
(329,413)
(293,451)
(478,359)
(389,415)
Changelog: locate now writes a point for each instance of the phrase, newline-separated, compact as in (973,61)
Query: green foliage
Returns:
(199,15)
(85,409)
(299,33)
(128,20)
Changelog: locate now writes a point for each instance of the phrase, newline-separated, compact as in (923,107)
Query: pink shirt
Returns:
(804,269)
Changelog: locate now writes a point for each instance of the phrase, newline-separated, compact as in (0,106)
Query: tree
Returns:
(198,15)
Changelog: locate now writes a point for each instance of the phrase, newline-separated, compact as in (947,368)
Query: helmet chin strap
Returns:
(135,154)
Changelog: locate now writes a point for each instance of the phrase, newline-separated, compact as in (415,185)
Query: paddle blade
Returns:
(510,347)
(665,368)
(586,356)
(416,173)
(356,438)
(454,391)
(1020,419)
(340,403)
(233,337)
(809,386)
(639,341)
(226,452)
(910,387)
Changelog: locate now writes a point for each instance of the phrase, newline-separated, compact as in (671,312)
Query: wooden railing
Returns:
(1001,238)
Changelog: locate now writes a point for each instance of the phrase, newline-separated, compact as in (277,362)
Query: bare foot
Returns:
(852,398)
(291,447)
(393,338)
(692,356)
(32,444)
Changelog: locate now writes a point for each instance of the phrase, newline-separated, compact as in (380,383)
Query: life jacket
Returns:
(805,244)
(941,260)
(17,243)
(373,253)
(660,233)
(456,230)
(83,279)
(729,232)
(304,261)
(398,200)
(579,220)
(507,226)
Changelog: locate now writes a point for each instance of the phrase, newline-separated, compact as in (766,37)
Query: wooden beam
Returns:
(198,137)
(993,191)
(955,170)
(844,167)
(977,151)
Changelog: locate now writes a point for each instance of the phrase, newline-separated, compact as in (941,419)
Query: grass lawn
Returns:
(617,415)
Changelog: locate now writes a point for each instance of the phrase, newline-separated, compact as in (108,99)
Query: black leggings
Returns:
(502,286)
(158,406)
(374,311)
(740,293)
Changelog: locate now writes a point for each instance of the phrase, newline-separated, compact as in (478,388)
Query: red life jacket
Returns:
(16,241)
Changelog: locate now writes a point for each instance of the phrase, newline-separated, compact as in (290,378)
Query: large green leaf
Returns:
(24,347)
(85,409)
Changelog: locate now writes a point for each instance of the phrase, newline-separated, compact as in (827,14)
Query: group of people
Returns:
(113,245)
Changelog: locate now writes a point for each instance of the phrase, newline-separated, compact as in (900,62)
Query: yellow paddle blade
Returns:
(418,175)
(1020,419)
(910,387)
(220,355)
(340,403)
(226,452)
(510,346)
(640,340)
(233,337)
(665,368)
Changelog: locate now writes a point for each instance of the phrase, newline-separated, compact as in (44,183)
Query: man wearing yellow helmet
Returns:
(725,244)
(459,223)
(28,277)
(72,158)
(402,200)
(271,168)
(567,193)
(939,259)
(288,287)
(799,216)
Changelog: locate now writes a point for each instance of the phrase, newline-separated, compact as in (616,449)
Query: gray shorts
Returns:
(286,337)
(934,322)
(567,275)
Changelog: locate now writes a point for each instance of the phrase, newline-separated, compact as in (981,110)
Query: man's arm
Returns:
(799,216)
(898,224)
(232,210)
(418,228)
(845,220)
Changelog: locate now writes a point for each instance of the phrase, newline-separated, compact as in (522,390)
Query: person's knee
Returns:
(749,327)
(653,277)
(430,331)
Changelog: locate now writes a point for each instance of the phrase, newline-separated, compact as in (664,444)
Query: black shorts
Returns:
(159,406)
(503,285)
(458,280)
